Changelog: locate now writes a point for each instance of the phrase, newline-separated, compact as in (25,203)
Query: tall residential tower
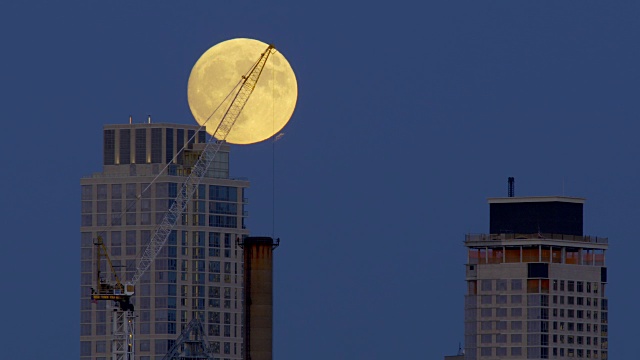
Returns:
(536,284)
(198,273)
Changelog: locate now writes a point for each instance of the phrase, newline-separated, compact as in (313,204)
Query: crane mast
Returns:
(122,343)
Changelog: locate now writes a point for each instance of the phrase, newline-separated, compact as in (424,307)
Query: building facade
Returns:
(536,286)
(198,272)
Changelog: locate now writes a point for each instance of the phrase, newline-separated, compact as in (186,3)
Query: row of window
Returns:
(162,190)
(131,219)
(580,353)
(542,339)
(543,313)
(558,285)
(543,300)
(161,205)
(161,348)
(543,352)
(536,254)
(141,237)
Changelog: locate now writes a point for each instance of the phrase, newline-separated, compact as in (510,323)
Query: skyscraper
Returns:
(198,273)
(536,285)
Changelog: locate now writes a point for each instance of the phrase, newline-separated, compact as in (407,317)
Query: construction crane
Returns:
(192,344)
(123,318)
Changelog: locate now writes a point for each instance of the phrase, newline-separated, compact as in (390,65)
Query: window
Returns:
(85,348)
(516,284)
(516,299)
(85,329)
(485,299)
(501,285)
(223,193)
(580,286)
(141,146)
(571,286)
(516,338)
(86,220)
(125,146)
(109,146)
(144,345)
(486,312)
(202,137)
(486,285)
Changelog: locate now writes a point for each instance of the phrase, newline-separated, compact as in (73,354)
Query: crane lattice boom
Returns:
(198,171)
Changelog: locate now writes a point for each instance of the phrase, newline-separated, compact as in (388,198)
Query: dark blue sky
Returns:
(409,116)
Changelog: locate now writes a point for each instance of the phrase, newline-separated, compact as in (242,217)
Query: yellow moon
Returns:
(217,73)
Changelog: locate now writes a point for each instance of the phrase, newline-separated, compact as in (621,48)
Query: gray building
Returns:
(536,285)
(198,273)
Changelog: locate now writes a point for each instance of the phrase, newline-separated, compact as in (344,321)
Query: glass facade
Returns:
(125,146)
(109,147)
(156,145)
(141,146)
(168,157)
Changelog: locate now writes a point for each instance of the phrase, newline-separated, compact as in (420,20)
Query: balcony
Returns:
(469,238)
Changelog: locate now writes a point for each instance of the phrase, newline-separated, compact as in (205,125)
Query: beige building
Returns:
(198,273)
(536,284)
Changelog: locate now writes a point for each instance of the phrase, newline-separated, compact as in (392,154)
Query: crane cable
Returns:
(273,154)
(134,202)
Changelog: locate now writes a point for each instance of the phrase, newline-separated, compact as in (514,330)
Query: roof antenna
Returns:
(149,119)
(130,119)
(512,181)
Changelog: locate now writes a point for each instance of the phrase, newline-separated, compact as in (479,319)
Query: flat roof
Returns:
(526,199)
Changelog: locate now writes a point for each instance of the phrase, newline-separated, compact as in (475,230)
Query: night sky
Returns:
(409,117)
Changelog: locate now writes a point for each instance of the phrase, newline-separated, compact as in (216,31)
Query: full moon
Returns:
(217,73)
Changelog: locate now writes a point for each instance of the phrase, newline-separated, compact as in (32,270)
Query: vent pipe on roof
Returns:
(512,180)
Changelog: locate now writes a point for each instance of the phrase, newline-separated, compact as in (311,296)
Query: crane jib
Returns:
(198,171)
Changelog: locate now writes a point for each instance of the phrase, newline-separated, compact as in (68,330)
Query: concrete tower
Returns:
(198,273)
(536,284)
(258,297)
